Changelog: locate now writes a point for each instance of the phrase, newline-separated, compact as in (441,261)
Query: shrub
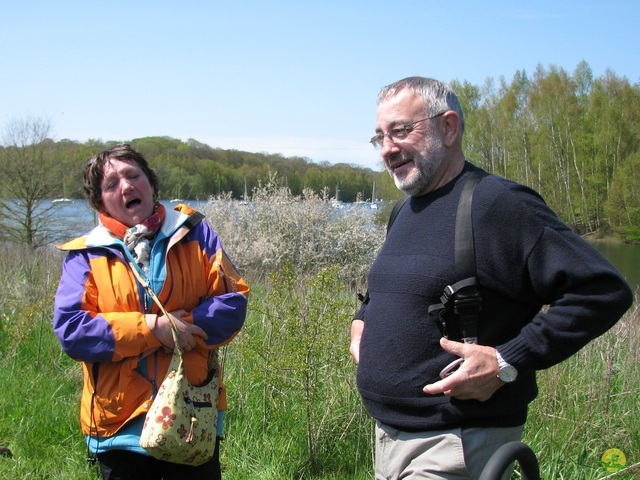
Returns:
(276,227)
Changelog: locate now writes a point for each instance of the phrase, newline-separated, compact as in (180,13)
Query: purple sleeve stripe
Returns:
(83,336)
(228,313)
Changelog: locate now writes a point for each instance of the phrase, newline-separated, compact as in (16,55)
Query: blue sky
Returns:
(290,77)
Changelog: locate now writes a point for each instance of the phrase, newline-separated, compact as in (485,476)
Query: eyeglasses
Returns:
(397,134)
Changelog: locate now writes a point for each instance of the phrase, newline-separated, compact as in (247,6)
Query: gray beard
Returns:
(416,185)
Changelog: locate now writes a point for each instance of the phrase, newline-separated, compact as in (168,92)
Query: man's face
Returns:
(414,161)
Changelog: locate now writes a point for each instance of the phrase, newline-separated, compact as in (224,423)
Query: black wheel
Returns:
(506,455)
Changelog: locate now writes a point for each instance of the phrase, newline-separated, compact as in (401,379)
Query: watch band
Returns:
(501,361)
(506,372)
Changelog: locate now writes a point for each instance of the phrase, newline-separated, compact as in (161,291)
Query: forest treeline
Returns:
(194,170)
(572,137)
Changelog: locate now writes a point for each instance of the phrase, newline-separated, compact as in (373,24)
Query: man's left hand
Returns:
(477,377)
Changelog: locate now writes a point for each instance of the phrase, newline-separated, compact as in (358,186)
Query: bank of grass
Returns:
(39,385)
(294,410)
(588,405)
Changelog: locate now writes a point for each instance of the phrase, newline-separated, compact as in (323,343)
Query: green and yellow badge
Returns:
(613,460)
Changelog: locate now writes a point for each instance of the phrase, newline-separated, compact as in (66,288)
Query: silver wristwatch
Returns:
(506,372)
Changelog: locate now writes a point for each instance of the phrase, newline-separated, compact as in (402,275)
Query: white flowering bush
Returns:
(274,227)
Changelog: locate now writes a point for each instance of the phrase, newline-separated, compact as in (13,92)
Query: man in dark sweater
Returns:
(526,258)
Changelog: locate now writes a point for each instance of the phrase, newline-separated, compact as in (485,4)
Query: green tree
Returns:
(623,204)
(27,181)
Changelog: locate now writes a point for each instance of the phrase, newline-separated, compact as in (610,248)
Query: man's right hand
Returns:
(357,326)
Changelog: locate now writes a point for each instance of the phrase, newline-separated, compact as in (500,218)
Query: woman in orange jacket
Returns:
(104,318)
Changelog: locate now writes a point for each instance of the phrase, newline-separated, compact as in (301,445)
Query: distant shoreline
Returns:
(593,238)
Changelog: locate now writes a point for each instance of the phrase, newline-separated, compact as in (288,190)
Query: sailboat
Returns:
(64,199)
(178,198)
(245,197)
(335,202)
(374,202)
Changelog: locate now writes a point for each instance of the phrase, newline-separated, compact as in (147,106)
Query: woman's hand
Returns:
(161,328)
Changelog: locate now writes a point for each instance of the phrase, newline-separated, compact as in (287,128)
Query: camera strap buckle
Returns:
(461,304)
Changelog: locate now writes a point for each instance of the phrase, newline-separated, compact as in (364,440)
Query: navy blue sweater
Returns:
(526,258)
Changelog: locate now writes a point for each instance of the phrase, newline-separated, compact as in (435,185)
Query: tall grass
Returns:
(40,385)
(588,405)
(294,412)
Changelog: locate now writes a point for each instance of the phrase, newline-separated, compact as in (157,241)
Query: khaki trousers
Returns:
(456,454)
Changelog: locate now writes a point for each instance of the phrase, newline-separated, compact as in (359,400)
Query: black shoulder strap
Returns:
(464,229)
(95,370)
(394,213)
(462,299)
(465,254)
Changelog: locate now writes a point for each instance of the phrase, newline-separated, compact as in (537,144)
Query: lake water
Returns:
(77,218)
(626,258)
(74,219)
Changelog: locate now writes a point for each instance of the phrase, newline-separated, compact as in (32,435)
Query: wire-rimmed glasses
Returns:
(399,133)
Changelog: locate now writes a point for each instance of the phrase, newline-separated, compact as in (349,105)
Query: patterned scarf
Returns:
(138,238)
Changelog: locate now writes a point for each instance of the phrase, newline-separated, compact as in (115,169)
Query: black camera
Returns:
(457,315)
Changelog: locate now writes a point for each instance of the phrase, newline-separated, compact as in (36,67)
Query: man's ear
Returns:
(452,126)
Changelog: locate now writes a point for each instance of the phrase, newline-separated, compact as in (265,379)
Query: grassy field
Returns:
(294,410)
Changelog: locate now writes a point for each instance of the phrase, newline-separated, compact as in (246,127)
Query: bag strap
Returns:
(396,209)
(152,294)
(465,254)
(463,298)
(174,327)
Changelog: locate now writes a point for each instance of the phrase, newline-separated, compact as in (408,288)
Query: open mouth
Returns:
(133,203)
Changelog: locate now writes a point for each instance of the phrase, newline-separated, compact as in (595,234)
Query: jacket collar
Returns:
(101,237)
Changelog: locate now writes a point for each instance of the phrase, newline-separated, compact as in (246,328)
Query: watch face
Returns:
(508,374)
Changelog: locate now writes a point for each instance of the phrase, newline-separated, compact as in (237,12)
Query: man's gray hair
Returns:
(437,96)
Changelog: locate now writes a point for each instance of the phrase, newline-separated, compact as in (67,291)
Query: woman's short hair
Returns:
(94,172)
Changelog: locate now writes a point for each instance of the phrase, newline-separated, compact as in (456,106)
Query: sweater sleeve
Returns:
(532,258)
(585,296)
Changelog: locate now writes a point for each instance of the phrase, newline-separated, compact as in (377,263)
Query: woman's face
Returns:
(127,195)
